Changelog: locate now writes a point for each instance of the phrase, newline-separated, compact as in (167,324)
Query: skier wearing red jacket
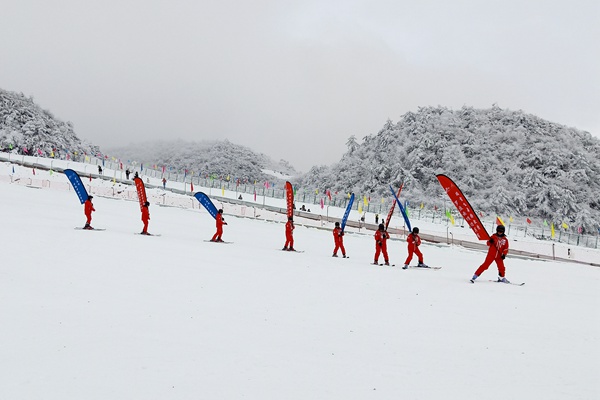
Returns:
(338,238)
(381,237)
(498,250)
(145,217)
(220,222)
(88,207)
(289,235)
(414,241)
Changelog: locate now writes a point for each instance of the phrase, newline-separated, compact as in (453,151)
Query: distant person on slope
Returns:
(220,222)
(289,235)
(498,250)
(88,207)
(381,237)
(145,217)
(414,241)
(338,238)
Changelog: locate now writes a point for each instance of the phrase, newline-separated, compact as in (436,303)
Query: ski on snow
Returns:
(92,229)
(218,241)
(509,283)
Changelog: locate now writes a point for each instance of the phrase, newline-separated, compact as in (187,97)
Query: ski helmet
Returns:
(381,227)
(415,230)
(337,224)
(500,229)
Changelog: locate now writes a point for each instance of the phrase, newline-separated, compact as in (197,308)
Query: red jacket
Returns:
(145,213)
(500,244)
(413,240)
(337,234)
(88,207)
(289,227)
(219,220)
(381,236)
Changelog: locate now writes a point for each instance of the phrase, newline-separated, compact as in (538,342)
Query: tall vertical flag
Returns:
(141,191)
(463,206)
(77,185)
(347,213)
(401,209)
(207,203)
(389,216)
(289,196)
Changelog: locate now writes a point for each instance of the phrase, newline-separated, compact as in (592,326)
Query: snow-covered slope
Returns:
(114,315)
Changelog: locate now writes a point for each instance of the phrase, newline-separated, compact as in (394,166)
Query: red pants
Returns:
(289,241)
(339,245)
(89,218)
(410,254)
(491,257)
(381,249)
(217,236)
(145,226)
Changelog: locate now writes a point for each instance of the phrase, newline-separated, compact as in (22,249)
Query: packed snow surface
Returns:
(115,315)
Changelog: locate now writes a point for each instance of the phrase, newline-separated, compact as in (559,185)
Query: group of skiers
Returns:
(498,242)
(88,208)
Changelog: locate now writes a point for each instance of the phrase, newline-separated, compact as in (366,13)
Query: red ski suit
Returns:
(338,238)
(381,238)
(145,218)
(88,207)
(219,221)
(414,241)
(497,250)
(289,235)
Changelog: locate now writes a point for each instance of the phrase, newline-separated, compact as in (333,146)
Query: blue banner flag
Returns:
(402,210)
(347,213)
(205,201)
(77,185)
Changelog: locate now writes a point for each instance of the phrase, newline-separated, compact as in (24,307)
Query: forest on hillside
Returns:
(506,162)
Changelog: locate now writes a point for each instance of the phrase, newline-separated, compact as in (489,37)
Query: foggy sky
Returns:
(295,79)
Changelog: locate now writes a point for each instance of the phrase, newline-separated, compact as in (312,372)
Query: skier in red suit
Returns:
(88,207)
(381,237)
(338,238)
(220,222)
(145,217)
(498,250)
(289,235)
(414,241)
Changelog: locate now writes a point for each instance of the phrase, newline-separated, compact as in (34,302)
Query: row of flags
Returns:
(268,185)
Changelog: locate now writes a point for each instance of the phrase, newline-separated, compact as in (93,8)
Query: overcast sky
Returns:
(295,79)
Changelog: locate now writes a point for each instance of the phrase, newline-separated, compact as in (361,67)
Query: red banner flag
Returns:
(463,206)
(389,216)
(141,191)
(289,192)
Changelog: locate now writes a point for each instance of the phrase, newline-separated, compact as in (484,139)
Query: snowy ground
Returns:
(113,315)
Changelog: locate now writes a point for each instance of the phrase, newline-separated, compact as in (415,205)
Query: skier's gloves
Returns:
(491,240)
(503,256)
